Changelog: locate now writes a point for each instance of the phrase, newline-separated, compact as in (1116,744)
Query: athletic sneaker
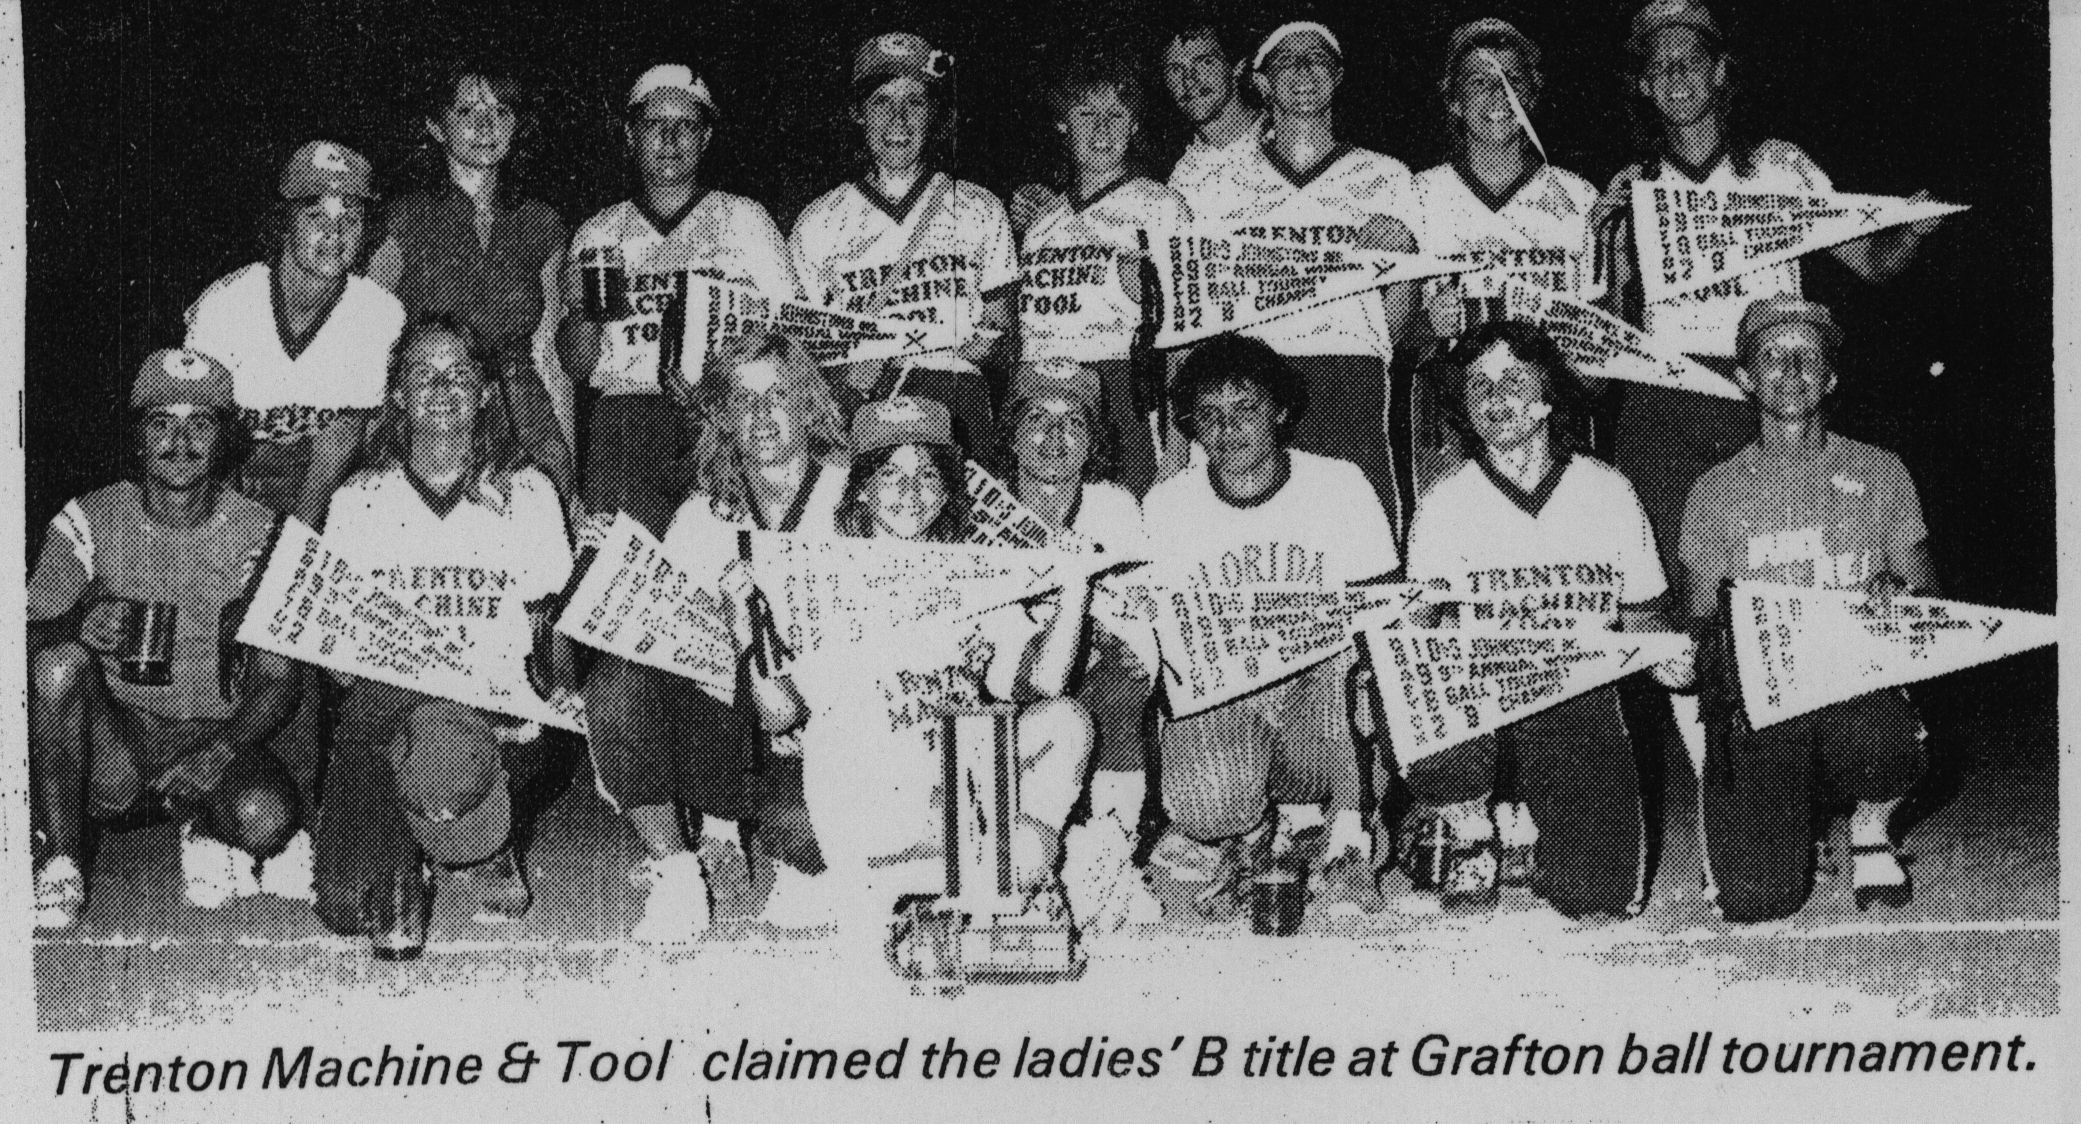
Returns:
(1106,892)
(799,902)
(288,874)
(677,909)
(1469,885)
(500,887)
(61,893)
(214,872)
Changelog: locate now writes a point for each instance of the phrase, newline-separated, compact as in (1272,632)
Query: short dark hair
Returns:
(1232,360)
(1530,344)
(1100,69)
(855,521)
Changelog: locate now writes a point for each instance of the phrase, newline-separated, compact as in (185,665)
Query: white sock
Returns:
(720,830)
(1869,822)
(1469,820)
(1118,795)
(1691,728)
(1514,826)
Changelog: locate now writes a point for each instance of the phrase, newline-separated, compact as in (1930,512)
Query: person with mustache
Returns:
(1200,74)
(304,336)
(909,241)
(101,742)
(1529,496)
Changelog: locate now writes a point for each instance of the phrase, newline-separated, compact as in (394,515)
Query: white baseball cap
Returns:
(672,76)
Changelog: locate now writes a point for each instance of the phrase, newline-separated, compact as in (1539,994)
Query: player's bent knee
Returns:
(262,818)
(1055,732)
(110,797)
(62,669)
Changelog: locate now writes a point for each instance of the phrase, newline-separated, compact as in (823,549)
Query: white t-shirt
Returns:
(1703,321)
(289,389)
(1349,187)
(1201,160)
(705,541)
(1323,525)
(928,257)
(1073,304)
(1108,515)
(1582,533)
(470,561)
(1538,230)
(723,236)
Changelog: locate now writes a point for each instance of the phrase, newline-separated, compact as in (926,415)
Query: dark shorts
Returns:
(636,457)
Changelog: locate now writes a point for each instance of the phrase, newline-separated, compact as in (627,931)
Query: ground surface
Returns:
(1979,940)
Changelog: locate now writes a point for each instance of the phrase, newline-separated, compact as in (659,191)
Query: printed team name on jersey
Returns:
(1047,271)
(934,277)
(449,591)
(1807,548)
(650,292)
(1261,562)
(1325,234)
(1557,596)
(286,424)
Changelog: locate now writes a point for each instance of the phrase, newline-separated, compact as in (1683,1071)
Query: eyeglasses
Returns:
(1680,66)
(670,128)
(1314,60)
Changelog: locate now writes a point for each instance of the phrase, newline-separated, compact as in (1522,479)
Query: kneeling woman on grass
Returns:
(445,500)
(862,716)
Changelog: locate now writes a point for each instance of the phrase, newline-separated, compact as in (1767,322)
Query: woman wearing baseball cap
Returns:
(306,340)
(870,761)
(907,240)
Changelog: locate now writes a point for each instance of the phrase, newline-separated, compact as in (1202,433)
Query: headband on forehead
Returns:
(1279,35)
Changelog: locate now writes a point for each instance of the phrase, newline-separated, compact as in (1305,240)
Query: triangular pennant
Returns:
(829,592)
(718,310)
(996,517)
(1219,641)
(1492,267)
(1220,281)
(1441,687)
(1691,237)
(1542,597)
(1517,108)
(315,605)
(1800,649)
(1601,345)
(632,601)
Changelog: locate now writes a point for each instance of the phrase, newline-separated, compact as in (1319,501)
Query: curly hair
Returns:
(718,462)
(1232,360)
(496,443)
(1529,343)
(855,520)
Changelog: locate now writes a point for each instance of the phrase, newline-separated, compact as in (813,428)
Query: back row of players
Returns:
(396,435)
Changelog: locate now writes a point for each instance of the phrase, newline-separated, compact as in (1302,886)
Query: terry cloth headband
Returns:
(1274,39)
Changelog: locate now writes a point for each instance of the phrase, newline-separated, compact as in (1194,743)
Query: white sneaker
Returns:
(61,893)
(799,901)
(288,874)
(677,909)
(215,872)
(1106,893)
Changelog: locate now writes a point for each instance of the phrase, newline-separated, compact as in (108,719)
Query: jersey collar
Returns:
(666,224)
(1294,176)
(440,503)
(294,343)
(1696,173)
(1261,498)
(1081,205)
(1501,199)
(898,210)
(792,518)
(1534,501)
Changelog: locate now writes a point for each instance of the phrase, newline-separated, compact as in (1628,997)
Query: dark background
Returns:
(155,133)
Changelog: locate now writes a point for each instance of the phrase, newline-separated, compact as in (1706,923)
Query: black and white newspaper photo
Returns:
(1154,560)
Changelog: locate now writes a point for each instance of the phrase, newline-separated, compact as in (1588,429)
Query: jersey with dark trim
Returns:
(1077,261)
(931,256)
